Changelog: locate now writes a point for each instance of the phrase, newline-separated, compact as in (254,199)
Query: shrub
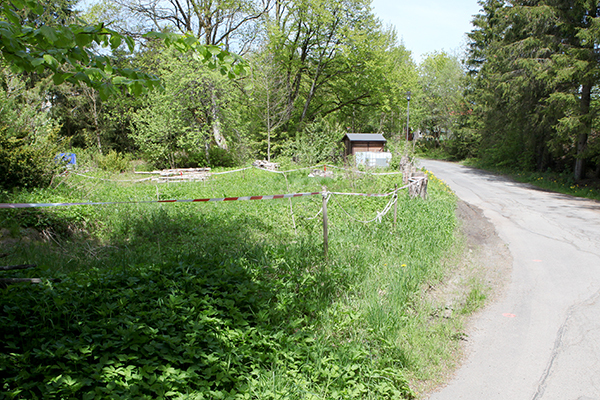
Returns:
(25,165)
(319,142)
(463,144)
(113,161)
(221,158)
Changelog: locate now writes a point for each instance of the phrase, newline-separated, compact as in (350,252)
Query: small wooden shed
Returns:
(363,142)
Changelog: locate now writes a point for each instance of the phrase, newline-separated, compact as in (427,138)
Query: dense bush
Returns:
(462,145)
(25,165)
(319,142)
(113,161)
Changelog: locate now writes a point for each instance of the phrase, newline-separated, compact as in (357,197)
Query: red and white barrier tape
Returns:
(241,198)
(364,194)
(370,194)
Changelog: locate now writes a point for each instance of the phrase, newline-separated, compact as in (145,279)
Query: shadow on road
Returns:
(581,202)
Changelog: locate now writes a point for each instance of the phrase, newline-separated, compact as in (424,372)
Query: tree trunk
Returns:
(92,95)
(216,121)
(268,127)
(586,96)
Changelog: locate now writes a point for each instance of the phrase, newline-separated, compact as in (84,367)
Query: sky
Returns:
(425,26)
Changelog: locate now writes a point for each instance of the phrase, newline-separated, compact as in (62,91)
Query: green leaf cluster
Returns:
(69,52)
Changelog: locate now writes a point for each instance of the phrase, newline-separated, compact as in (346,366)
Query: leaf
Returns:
(35,6)
(37,61)
(155,35)
(137,88)
(115,41)
(105,91)
(49,33)
(81,77)
(228,59)
(59,77)
(82,39)
(18,4)
(120,80)
(50,60)
(130,43)
(12,16)
(214,50)
(95,74)
(190,40)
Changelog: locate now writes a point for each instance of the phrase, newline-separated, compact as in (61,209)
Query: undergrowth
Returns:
(552,181)
(230,300)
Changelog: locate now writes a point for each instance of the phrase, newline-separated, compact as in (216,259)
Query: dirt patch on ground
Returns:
(477,275)
(487,254)
(483,263)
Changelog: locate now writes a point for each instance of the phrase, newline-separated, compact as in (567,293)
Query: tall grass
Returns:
(225,300)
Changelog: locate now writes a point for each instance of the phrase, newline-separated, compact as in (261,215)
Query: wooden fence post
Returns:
(395,204)
(325,238)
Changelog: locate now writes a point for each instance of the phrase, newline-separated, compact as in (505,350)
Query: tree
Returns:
(176,127)
(441,87)
(28,140)
(68,51)
(576,70)
(271,94)
(336,61)
(230,23)
(535,68)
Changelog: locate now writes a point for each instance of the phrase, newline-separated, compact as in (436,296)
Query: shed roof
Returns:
(365,137)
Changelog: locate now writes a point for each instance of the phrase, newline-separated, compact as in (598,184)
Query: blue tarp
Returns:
(69,158)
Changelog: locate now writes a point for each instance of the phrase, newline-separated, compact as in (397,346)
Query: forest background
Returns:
(523,94)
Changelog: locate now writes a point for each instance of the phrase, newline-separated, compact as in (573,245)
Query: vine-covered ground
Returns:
(230,300)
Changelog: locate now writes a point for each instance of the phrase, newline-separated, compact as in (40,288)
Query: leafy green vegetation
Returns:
(533,86)
(33,41)
(225,300)
(553,181)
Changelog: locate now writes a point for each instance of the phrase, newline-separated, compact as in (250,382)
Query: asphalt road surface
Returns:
(541,339)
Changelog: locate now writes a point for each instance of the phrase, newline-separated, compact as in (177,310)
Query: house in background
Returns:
(367,149)
(363,142)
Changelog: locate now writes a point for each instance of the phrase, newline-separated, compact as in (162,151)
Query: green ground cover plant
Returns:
(230,300)
(552,181)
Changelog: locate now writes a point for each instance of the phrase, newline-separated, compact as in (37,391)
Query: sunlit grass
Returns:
(271,317)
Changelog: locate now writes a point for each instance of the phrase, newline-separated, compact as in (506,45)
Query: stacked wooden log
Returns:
(7,281)
(321,173)
(180,175)
(264,164)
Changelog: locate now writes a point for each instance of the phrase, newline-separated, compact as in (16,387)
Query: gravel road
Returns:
(541,338)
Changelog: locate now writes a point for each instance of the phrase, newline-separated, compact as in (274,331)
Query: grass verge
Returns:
(551,181)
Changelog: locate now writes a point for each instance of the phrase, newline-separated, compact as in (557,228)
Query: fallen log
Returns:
(8,281)
(13,267)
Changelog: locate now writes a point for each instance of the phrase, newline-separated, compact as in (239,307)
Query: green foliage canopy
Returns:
(69,51)
(535,71)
